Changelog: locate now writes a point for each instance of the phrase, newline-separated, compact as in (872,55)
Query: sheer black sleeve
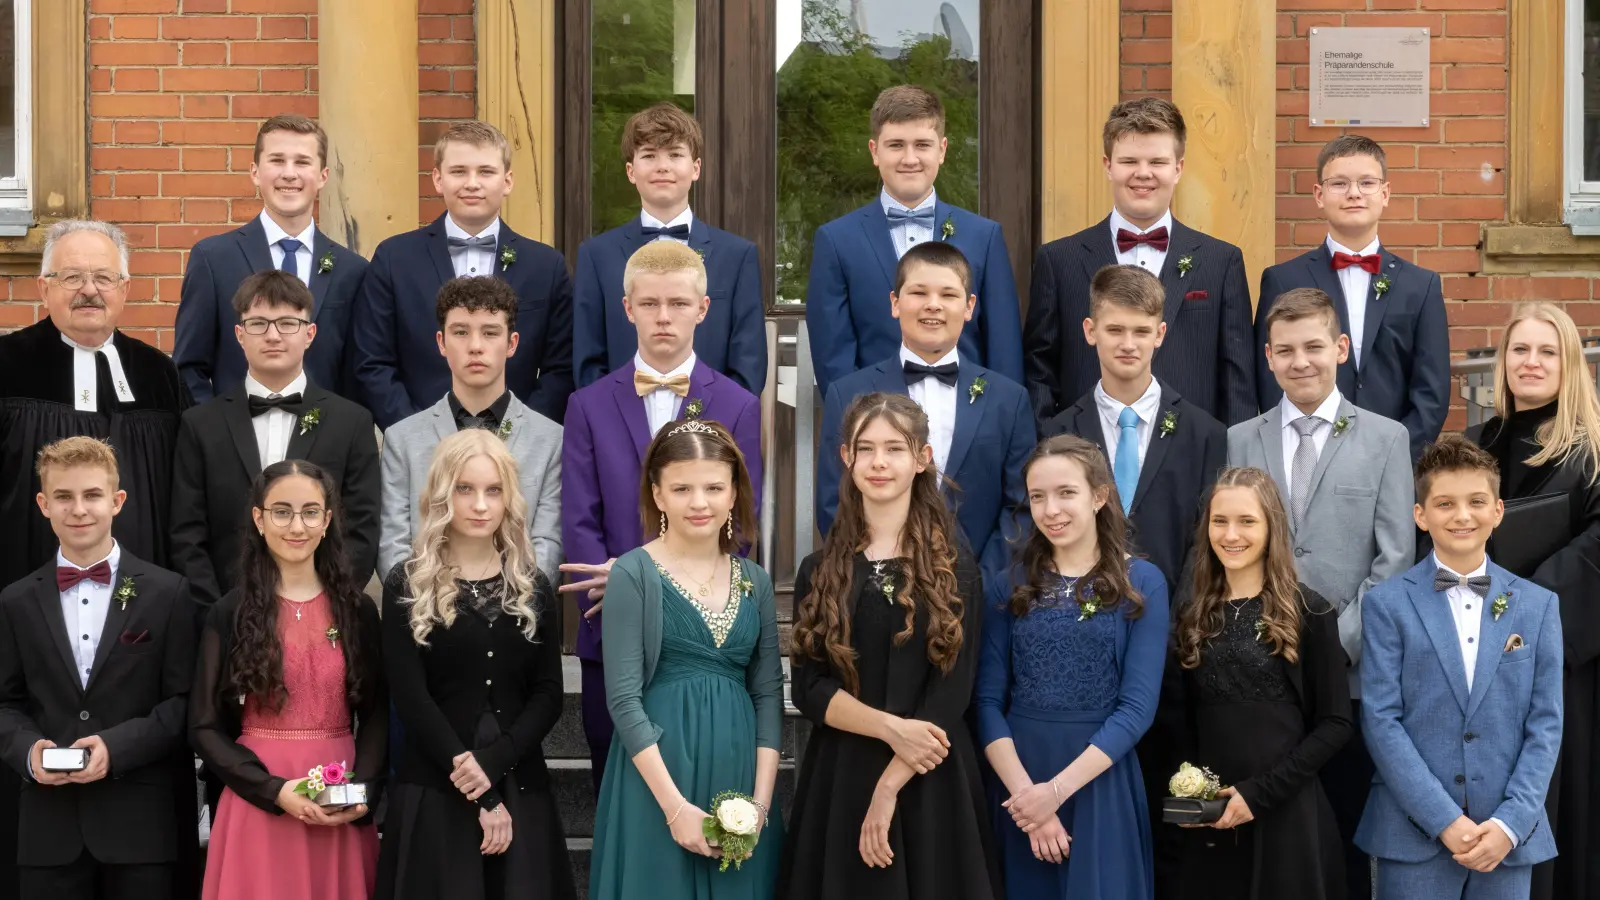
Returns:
(372,709)
(812,682)
(214,731)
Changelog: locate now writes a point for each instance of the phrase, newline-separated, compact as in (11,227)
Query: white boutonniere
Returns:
(1381,285)
(1341,425)
(325,264)
(125,592)
(694,408)
(311,420)
(948,229)
(504,431)
(508,255)
(976,389)
(1169,422)
(1500,605)
(1185,263)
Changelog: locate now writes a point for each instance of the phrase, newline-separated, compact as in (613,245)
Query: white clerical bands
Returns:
(85,394)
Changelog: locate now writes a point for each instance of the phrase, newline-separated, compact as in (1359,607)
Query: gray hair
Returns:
(72,226)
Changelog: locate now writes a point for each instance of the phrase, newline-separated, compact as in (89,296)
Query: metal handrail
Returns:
(1476,372)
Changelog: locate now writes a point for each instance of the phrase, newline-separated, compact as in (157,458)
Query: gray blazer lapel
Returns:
(1434,611)
(1270,430)
(444,423)
(1336,443)
(1492,636)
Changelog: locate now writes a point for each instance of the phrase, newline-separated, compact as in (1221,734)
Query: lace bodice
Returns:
(1236,667)
(313,673)
(1063,659)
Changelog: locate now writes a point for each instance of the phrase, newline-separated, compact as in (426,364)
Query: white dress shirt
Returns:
(1327,412)
(684,218)
(1146,407)
(86,382)
(471,260)
(302,257)
(1355,281)
(275,427)
(83,608)
(661,405)
(938,400)
(904,234)
(1466,610)
(1142,255)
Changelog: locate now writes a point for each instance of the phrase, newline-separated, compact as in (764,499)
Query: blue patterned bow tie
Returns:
(486,241)
(1444,581)
(898,216)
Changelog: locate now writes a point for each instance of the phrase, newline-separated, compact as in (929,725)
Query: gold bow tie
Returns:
(646,384)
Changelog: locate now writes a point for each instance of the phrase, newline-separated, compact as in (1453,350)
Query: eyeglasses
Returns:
(283,517)
(1367,186)
(285,325)
(74,280)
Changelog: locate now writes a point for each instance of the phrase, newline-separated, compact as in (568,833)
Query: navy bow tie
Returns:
(898,216)
(681,232)
(916,372)
(1444,581)
(486,241)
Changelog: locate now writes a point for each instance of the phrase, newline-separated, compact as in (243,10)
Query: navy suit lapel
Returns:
(1375,303)
(439,252)
(1156,456)
(49,598)
(506,239)
(320,244)
(252,238)
(1181,241)
(700,240)
(1320,266)
(969,414)
(1492,636)
(302,438)
(1099,251)
(236,415)
(875,225)
(1087,425)
(631,408)
(1434,611)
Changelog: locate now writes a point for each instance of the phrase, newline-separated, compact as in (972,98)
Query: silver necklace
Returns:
(296,605)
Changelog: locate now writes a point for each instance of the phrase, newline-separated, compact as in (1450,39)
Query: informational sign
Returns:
(1371,77)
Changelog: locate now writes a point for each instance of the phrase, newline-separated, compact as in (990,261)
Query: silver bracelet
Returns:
(765,814)
(677,812)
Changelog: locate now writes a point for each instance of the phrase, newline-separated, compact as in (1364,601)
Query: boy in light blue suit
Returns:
(661,147)
(853,257)
(1461,681)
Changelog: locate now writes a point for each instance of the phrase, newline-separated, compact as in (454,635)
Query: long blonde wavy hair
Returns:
(431,574)
(1575,428)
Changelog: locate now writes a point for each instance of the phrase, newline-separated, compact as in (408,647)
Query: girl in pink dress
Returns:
(290,678)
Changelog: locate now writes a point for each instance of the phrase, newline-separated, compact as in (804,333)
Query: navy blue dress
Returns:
(1055,681)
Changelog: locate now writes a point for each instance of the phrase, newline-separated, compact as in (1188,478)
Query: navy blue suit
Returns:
(993,437)
(397,359)
(733,338)
(852,275)
(1405,346)
(204,347)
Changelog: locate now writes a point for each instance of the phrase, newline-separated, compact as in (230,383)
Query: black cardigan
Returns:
(214,712)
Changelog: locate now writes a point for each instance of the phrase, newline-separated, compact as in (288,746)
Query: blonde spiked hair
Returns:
(664,258)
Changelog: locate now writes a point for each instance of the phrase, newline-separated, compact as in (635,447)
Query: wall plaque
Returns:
(1369,77)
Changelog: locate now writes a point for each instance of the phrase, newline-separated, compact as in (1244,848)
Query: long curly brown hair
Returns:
(1281,601)
(822,621)
(1108,581)
(256,658)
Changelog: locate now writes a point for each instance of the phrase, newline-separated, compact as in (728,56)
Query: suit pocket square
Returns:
(129,637)
(1197,295)
(1513,643)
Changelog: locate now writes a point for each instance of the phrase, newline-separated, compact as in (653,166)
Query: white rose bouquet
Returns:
(1194,798)
(734,825)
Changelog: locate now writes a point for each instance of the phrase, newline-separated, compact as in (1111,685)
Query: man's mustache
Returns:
(93,301)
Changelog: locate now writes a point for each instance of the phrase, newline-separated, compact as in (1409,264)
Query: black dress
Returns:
(478,685)
(940,834)
(1573,573)
(1266,726)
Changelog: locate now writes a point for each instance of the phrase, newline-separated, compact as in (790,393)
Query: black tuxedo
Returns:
(136,701)
(1210,347)
(204,347)
(1178,470)
(217,461)
(397,359)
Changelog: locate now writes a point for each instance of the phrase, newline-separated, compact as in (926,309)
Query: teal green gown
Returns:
(699,699)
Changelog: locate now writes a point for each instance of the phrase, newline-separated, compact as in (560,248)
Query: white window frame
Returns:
(1580,199)
(16,191)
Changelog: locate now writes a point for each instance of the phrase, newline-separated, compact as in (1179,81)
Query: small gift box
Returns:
(342,795)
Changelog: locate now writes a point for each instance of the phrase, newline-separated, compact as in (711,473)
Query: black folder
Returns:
(1533,529)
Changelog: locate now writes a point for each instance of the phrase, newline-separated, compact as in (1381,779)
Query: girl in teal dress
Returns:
(693,681)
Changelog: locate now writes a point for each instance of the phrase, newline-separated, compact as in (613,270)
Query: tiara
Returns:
(693,426)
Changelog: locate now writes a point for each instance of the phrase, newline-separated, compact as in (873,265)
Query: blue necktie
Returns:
(1126,468)
(899,216)
(290,248)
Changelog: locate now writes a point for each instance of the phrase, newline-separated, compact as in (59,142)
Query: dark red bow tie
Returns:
(1342,260)
(67,577)
(1156,238)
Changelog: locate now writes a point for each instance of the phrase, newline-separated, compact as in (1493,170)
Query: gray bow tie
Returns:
(486,241)
(1444,581)
(898,216)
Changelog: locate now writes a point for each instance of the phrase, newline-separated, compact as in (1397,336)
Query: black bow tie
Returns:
(1444,581)
(916,372)
(681,232)
(288,403)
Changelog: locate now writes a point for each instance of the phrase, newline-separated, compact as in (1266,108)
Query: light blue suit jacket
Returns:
(1441,751)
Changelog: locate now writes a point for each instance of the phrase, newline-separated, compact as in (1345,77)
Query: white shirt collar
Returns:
(112,558)
(254,388)
(684,218)
(1146,407)
(276,234)
(85,389)
(1117,221)
(1327,411)
(684,368)
(953,356)
(1336,247)
(1482,569)
(85,347)
(890,202)
(451,229)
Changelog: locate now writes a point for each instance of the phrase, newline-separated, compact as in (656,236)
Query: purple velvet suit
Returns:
(607,433)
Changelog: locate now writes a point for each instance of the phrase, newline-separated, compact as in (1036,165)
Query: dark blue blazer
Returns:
(204,347)
(852,275)
(1405,346)
(732,339)
(1210,348)
(993,436)
(397,359)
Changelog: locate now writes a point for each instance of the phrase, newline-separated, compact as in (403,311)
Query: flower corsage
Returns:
(734,825)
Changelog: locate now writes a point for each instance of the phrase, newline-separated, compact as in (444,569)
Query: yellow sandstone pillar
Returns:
(516,93)
(1078,83)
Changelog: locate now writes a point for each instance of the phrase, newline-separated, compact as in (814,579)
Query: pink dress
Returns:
(255,855)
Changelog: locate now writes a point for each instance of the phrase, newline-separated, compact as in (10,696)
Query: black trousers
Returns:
(1347,779)
(87,879)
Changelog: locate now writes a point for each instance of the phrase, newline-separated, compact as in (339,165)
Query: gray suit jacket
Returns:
(535,443)
(1358,530)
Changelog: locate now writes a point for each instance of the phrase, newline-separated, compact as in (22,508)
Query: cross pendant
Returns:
(297,615)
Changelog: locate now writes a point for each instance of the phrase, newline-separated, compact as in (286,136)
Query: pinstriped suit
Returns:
(1209,352)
